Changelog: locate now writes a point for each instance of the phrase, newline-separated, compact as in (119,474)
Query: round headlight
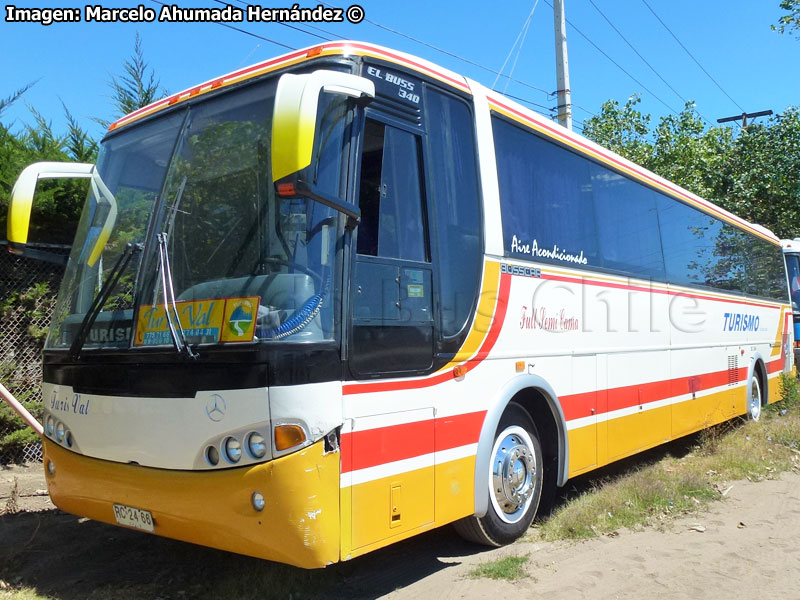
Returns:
(50,424)
(60,429)
(233,449)
(256,445)
(68,438)
(212,456)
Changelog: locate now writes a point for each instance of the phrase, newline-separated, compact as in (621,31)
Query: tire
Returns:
(513,484)
(755,399)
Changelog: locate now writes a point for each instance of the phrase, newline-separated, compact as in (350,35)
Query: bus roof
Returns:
(497,103)
(790,246)
(337,48)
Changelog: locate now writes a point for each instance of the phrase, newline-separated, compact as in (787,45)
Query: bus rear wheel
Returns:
(754,400)
(514,482)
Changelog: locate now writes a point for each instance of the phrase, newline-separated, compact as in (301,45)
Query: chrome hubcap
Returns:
(513,474)
(755,401)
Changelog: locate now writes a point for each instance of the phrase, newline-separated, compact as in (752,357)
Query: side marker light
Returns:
(288,436)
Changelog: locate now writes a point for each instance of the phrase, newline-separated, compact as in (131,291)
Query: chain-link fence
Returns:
(27,298)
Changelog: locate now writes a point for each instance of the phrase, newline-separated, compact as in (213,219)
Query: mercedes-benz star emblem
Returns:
(215,408)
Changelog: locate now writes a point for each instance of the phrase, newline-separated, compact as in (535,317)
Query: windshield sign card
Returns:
(203,321)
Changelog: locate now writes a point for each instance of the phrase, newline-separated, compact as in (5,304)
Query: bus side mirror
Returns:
(21,203)
(294,117)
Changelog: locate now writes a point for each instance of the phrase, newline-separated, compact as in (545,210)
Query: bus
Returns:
(344,296)
(791,254)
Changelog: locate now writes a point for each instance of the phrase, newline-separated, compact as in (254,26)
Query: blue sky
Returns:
(732,40)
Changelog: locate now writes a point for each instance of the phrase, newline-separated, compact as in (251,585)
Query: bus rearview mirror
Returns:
(295,114)
(21,204)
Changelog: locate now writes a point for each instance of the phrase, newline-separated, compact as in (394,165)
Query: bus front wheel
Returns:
(514,482)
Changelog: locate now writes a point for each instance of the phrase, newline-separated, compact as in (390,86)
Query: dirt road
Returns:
(747,546)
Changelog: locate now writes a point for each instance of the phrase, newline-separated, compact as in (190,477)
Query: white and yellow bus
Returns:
(345,296)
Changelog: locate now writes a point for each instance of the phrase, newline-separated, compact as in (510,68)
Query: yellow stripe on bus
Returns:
(483,316)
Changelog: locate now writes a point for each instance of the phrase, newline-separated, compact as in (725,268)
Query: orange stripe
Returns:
(296,57)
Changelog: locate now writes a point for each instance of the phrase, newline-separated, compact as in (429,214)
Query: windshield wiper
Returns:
(170,305)
(100,299)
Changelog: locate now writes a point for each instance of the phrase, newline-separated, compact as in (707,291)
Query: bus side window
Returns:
(390,198)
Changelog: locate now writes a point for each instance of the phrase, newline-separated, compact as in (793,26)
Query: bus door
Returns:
(391,333)
(392,322)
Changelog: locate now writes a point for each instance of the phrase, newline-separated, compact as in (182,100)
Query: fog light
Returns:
(233,449)
(51,468)
(256,445)
(60,429)
(212,456)
(258,501)
(50,423)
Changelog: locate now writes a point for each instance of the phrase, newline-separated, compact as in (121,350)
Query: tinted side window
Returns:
(627,224)
(391,203)
(454,186)
(766,269)
(701,249)
(546,199)
(688,237)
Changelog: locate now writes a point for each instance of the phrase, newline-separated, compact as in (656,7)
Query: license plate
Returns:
(134,517)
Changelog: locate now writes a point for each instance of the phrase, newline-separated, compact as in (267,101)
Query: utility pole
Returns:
(564,107)
(744,116)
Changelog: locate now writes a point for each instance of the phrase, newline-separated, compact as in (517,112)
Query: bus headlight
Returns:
(212,456)
(256,445)
(60,429)
(232,449)
(50,425)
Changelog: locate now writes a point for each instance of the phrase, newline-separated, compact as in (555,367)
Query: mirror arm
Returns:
(353,213)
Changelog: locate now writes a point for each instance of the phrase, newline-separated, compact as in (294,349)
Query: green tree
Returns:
(761,177)
(623,129)
(136,87)
(755,175)
(791,20)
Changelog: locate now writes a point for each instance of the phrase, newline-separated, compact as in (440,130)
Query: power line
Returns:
(692,56)
(644,60)
(446,52)
(600,50)
(584,109)
(547,108)
(255,35)
(246,4)
(526,101)
(523,33)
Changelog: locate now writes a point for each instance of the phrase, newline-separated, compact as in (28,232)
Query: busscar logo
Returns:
(216,407)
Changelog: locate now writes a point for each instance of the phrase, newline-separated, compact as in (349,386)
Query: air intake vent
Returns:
(733,369)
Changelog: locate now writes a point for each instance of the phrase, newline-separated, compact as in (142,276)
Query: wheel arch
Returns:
(537,396)
(758,369)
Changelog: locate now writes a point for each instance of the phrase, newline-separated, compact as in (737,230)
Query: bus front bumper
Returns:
(298,525)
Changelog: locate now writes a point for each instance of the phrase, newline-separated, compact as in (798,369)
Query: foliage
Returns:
(790,21)
(656,493)
(137,87)
(14,433)
(510,568)
(58,202)
(755,175)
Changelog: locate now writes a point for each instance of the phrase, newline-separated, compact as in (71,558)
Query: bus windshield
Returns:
(225,259)
(793,273)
